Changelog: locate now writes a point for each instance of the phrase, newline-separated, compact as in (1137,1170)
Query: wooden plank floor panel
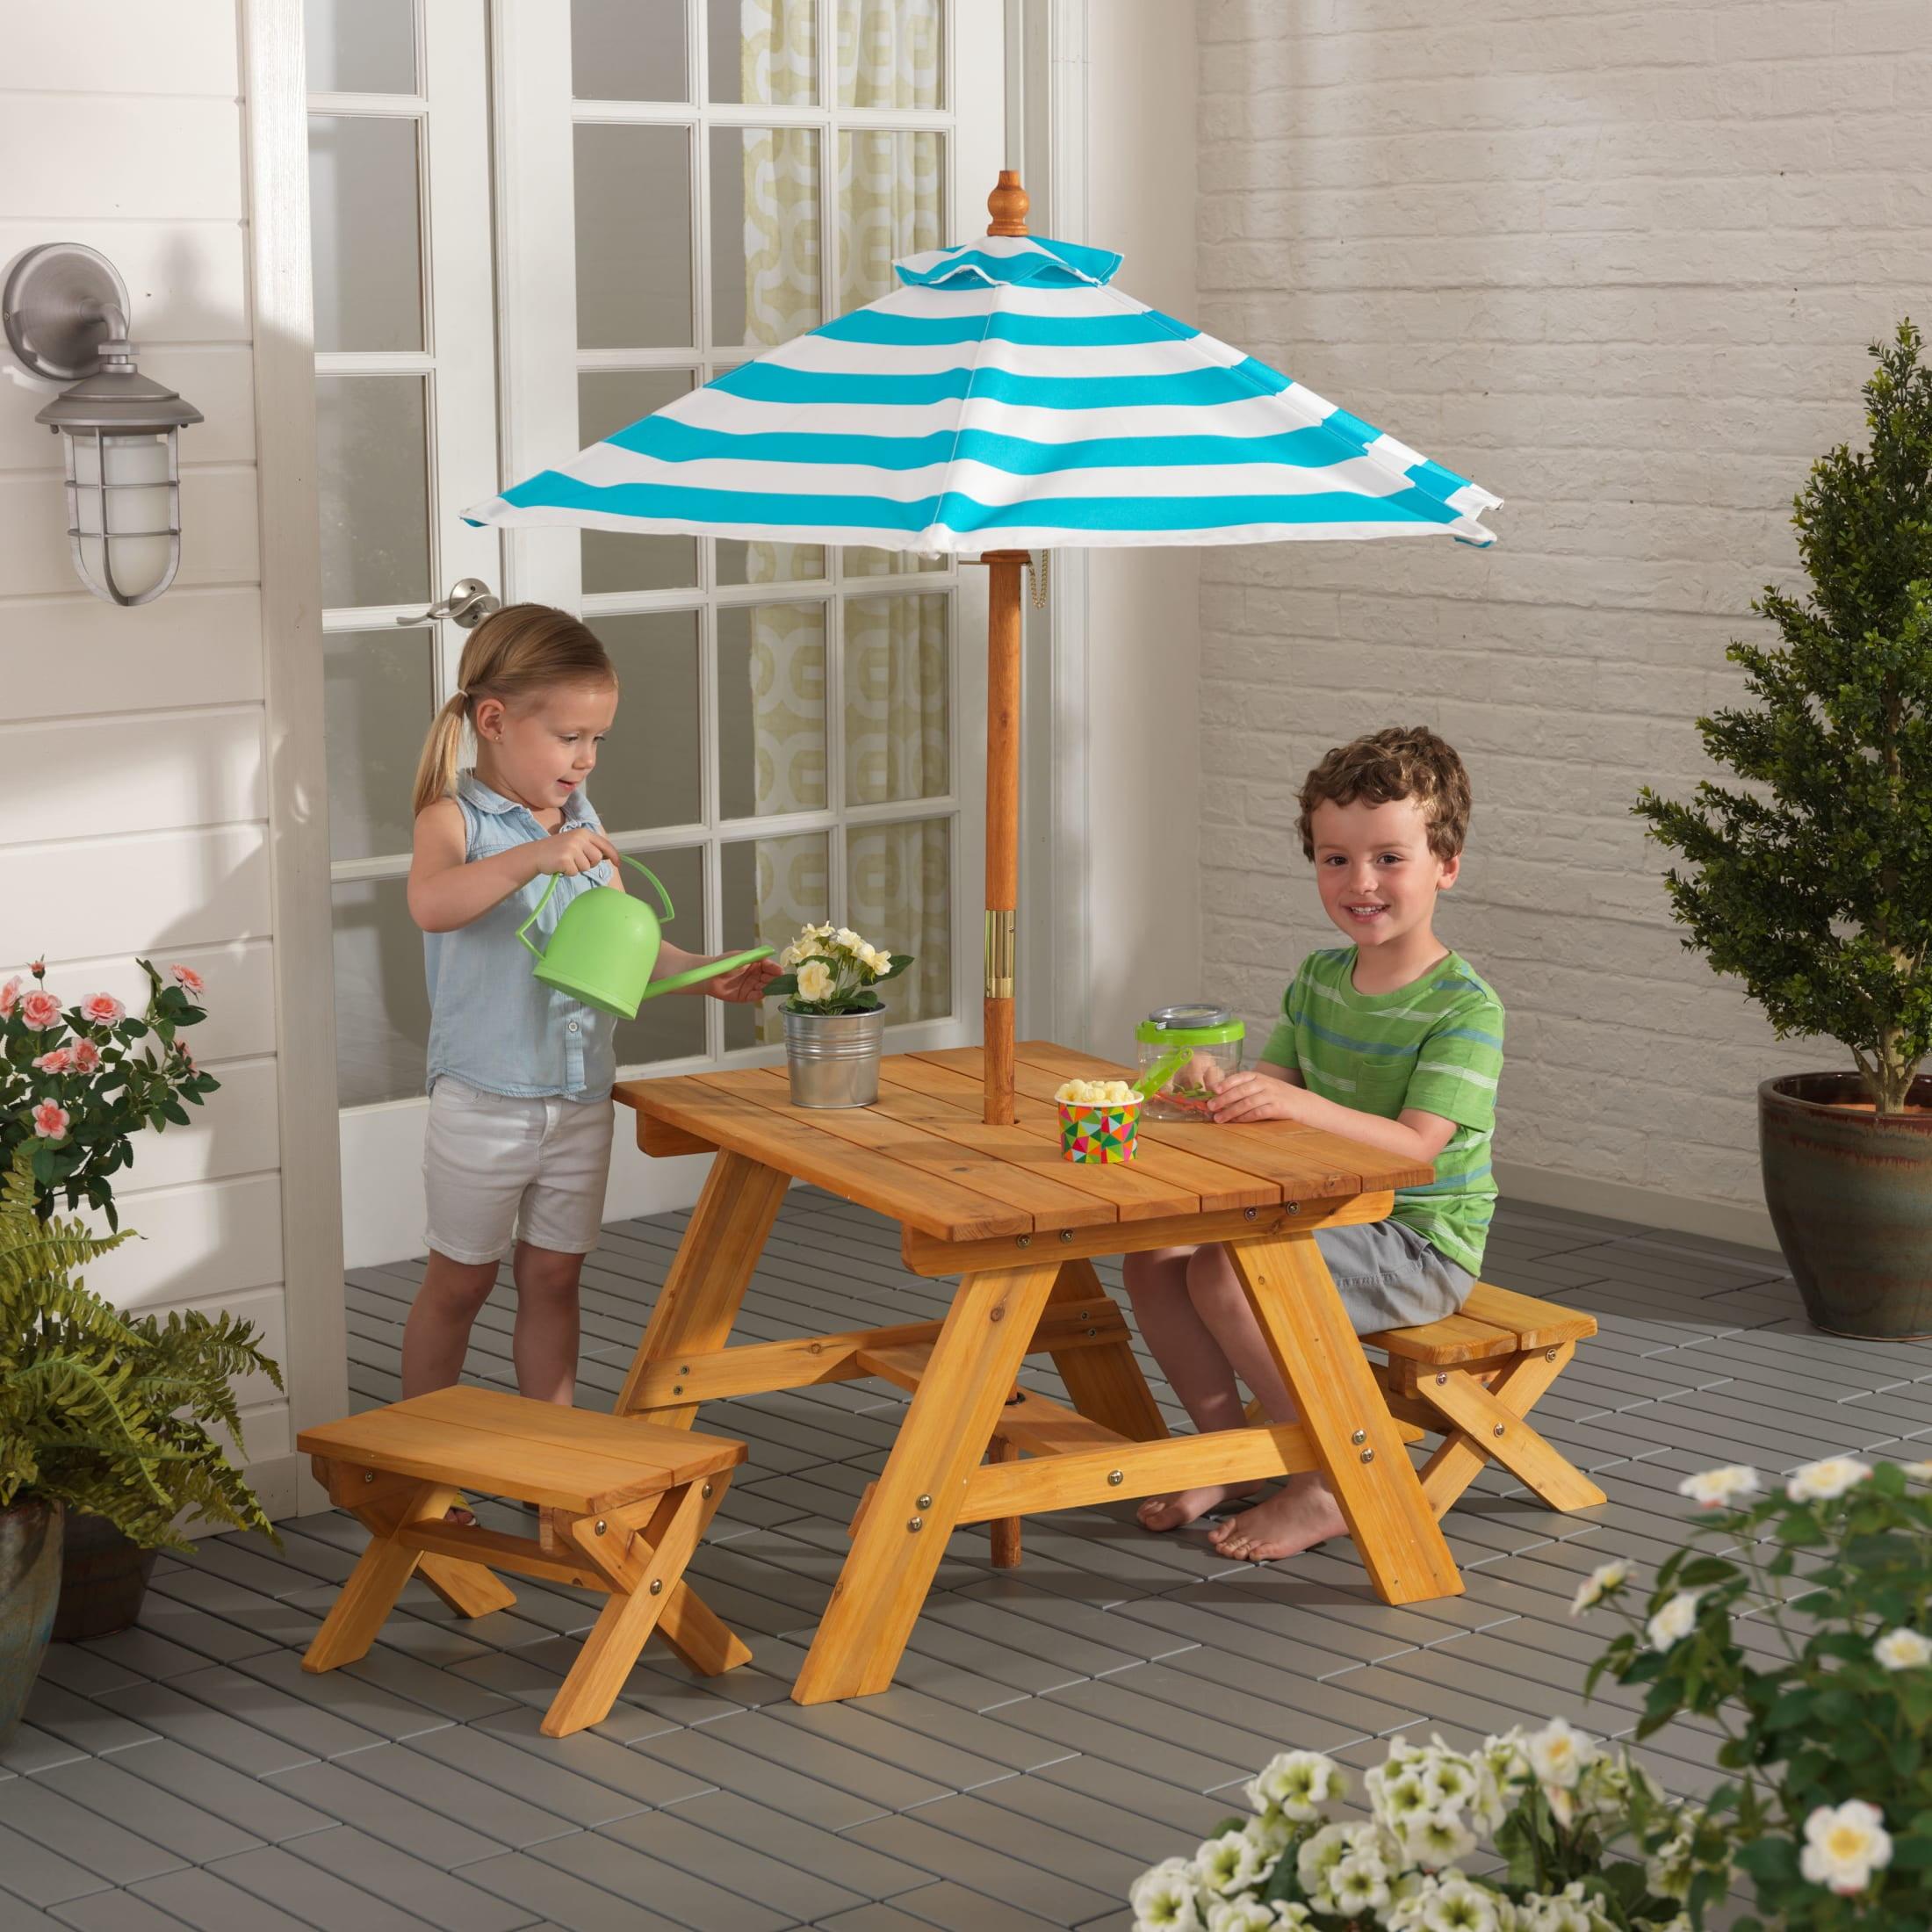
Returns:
(1051,1726)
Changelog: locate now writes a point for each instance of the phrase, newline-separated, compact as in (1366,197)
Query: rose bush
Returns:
(829,970)
(77,1081)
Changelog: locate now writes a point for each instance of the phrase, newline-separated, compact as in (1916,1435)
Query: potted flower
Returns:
(834,1020)
(1813,883)
(100,1413)
(77,1081)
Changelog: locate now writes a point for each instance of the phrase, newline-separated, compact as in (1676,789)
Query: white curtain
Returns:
(887,197)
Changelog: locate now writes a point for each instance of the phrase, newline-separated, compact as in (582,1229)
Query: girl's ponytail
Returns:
(513,654)
(435,769)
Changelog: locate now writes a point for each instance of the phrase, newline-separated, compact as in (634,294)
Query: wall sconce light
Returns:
(66,315)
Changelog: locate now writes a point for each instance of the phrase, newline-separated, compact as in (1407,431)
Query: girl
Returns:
(518,1142)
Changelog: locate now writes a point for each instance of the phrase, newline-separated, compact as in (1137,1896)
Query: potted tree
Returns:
(78,1080)
(1813,884)
(100,1413)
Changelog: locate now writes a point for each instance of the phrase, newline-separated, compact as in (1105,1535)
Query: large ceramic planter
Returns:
(30,1586)
(1850,1195)
(834,1057)
(104,1576)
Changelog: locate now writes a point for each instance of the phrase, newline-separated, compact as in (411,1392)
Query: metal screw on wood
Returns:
(369,1475)
(1497,1431)
(926,1502)
(917,1524)
(1248,1213)
(1368,1455)
(1359,1438)
(1093,1331)
(1066,1234)
(1292,1207)
(657,1586)
(600,1526)
(1116,1477)
(684,1368)
(1023,1241)
(1549,1355)
(677,1389)
(707,1489)
(1440,1380)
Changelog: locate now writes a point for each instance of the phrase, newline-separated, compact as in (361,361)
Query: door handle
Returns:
(470,600)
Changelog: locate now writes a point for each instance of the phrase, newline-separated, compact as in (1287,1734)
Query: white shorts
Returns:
(498,1169)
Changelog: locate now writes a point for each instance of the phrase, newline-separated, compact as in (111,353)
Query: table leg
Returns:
(903,1534)
(708,1275)
(1320,1357)
(1106,1384)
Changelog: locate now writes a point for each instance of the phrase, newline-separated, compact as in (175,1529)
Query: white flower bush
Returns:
(1552,1799)
(829,970)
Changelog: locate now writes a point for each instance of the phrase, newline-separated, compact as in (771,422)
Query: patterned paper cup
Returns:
(1107,1135)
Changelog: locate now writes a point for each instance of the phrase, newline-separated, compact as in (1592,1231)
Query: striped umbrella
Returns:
(1006,398)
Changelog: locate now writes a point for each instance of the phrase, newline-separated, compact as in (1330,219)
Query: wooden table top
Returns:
(923,1155)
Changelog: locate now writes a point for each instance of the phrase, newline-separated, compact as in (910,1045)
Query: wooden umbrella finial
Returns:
(1007,205)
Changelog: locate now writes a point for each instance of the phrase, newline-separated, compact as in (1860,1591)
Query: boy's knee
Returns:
(1151,1270)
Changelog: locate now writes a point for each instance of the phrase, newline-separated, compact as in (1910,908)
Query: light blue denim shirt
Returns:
(493,1025)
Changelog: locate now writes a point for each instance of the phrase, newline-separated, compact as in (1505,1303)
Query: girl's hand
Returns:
(1248,1097)
(745,985)
(571,849)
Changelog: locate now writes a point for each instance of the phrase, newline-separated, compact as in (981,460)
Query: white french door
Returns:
(535,220)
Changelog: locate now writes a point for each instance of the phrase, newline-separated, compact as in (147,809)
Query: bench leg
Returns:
(366,1599)
(641,1577)
(1486,1422)
(701,1638)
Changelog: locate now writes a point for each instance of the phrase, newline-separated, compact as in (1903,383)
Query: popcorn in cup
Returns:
(1100,1121)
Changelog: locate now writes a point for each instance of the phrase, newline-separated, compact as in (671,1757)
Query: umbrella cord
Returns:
(1036,572)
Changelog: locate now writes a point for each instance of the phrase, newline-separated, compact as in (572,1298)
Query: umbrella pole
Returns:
(1003,618)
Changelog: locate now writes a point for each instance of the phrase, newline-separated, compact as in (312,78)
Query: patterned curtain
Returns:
(886,194)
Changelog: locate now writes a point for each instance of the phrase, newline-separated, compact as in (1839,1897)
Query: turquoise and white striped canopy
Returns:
(1006,397)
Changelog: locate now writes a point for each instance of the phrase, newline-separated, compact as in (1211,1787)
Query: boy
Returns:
(1391,1040)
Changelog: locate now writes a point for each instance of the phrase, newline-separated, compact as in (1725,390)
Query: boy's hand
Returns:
(745,985)
(571,851)
(1244,1096)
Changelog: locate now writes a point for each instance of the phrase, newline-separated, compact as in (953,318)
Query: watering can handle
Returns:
(523,930)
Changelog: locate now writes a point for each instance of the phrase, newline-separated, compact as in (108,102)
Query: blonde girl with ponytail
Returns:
(518,1142)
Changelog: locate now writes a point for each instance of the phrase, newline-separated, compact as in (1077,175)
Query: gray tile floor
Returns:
(1052,1731)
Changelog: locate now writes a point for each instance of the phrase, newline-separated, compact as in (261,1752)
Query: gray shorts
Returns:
(1389,1277)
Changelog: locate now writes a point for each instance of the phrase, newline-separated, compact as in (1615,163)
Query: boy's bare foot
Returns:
(462,1519)
(1303,1514)
(1186,1506)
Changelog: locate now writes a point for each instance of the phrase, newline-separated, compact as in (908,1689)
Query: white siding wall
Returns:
(1620,266)
(133,794)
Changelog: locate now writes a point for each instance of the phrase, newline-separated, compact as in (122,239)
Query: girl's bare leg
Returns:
(544,1344)
(1195,1367)
(1303,1512)
(436,1336)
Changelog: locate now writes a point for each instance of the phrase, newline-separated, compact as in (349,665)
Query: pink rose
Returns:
(56,1062)
(187,977)
(103,1010)
(10,998)
(87,1056)
(38,1011)
(50,1122)
(39,968)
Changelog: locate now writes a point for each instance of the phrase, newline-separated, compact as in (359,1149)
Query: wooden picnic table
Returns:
(1001,1209)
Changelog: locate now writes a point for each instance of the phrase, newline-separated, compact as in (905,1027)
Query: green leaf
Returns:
(785,984)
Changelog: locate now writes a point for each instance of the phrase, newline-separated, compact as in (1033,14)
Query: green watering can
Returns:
(606,944)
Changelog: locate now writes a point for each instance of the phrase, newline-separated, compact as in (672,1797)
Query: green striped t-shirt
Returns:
(1435,1045)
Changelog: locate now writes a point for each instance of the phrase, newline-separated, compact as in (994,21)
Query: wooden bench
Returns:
(1474,1377)
(622,1504)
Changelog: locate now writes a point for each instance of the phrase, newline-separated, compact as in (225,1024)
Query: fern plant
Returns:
(104,1413)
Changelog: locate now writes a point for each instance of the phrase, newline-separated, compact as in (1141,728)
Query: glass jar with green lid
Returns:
(1211,1032)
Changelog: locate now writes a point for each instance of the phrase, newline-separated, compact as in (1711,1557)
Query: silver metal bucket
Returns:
(834,1057)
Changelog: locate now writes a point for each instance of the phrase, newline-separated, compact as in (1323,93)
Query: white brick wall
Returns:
(1619,263)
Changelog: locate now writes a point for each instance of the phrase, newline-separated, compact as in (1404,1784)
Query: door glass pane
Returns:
(892,188)
(377,694)
(382,1003)
(364,231)
(769,563)
(771,709)
(628,50)
(649,771)
(766,53)
(772,887)
(633,199)
(372,465)
(671,1026)
(896,678)
(898,895)
(862,560)
(609,400)
(765,242)
(360,47)
(890,55)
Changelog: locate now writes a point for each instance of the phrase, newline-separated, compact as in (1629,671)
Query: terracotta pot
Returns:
(30,1584)
(103,1577)
(1850,1195)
